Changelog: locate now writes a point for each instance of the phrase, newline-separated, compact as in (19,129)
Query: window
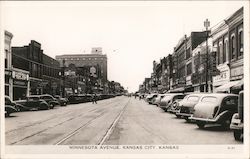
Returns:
(220,53)
(241,38)
(193,98)
(189,68)
(225,50)
(6,58)
(233,47)
(209,99)
(188,55)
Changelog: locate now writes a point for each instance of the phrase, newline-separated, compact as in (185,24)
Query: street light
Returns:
(206,24)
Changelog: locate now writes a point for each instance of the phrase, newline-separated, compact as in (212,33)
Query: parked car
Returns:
(237,123)
(215,108)
(169,98)
(61,101)
(150,98)
(186,106)
(157,100)
(10,106)
(50,100)
(33,102)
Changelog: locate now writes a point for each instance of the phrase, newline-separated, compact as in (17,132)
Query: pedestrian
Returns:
(94,100)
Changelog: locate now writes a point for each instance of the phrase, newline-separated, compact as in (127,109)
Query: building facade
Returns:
(89,71)
(43,70)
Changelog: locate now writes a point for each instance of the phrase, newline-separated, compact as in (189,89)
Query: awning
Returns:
(226,87)
(239,85)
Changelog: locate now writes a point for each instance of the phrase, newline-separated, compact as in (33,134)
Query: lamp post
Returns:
(206,24)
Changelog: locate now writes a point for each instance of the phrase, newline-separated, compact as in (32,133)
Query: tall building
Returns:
(91,68)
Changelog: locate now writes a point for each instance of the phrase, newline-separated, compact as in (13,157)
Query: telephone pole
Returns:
(206,24)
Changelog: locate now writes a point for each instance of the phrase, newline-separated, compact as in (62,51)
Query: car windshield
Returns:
(209,99)
(193,98)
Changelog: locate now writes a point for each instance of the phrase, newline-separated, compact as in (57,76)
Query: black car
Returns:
(50,100)
(62,101)
(10,106)
(33,102)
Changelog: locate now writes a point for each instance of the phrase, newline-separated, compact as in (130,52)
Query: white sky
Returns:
(139,32)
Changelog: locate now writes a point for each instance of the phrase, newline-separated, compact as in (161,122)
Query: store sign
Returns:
(237,73)
(20,75)
(223,77)
(92,71)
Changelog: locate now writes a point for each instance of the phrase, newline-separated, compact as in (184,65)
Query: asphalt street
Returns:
(116,121)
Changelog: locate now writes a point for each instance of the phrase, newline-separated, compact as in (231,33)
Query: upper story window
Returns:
(233,47)
(241,41)
(6,58)
(225,50)
(220,60)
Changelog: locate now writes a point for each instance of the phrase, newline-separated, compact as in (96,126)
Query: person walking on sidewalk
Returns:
(94,98)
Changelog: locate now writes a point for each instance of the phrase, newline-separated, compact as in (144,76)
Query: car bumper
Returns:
(236,124)
(203,119)
(184,114)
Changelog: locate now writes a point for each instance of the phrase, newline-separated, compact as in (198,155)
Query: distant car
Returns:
(62,101)
(215,108)
(169,98)
(150,98)
(50,100)
(186,106)
(237,123)
(33,102)
(10,106)
(157,100)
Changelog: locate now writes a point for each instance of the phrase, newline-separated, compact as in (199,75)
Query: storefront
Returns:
(35,86)
(20,84)
(223,78)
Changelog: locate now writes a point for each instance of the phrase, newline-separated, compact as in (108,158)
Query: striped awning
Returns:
(226,87)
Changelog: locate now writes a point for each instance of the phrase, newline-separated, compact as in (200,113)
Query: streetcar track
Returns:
(112,126)
(81,127)
(59,124)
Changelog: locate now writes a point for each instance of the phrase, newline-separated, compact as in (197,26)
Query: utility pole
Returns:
(206,24)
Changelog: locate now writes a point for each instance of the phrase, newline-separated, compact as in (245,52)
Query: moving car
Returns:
(61,101)
(33,102)
(215,108)
(186,106)
(168,99)
(10,106)
(237,123)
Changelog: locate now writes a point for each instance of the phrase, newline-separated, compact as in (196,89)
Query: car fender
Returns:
(224,115)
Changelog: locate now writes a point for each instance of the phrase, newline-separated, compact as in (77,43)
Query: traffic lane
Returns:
(20,133)
(142,123)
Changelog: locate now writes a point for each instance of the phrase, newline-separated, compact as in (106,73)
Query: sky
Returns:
(132,34)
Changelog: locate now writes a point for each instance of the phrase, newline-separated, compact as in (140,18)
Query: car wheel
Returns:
(238,135)
(226,124)
(187,119)
(51,106)
(201,125)
(7,114)
(178,116)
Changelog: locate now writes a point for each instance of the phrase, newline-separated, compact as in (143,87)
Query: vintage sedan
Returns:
(150,98)
(186,106)
(215,108)
(33,102)
(10,106)
(49,99)
(168,99)
(157,100)
(61,101)
(237,123)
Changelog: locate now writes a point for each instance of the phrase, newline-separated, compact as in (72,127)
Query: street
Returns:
(115,121)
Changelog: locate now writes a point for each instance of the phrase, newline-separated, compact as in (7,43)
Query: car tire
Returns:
(178,116)
(201,125)
(238,135)
(187,119)
(51,106)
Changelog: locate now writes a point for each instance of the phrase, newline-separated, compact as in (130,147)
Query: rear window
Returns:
(193,98)
(209,99)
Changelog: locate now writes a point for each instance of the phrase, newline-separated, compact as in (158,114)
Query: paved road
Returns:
(120,120)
